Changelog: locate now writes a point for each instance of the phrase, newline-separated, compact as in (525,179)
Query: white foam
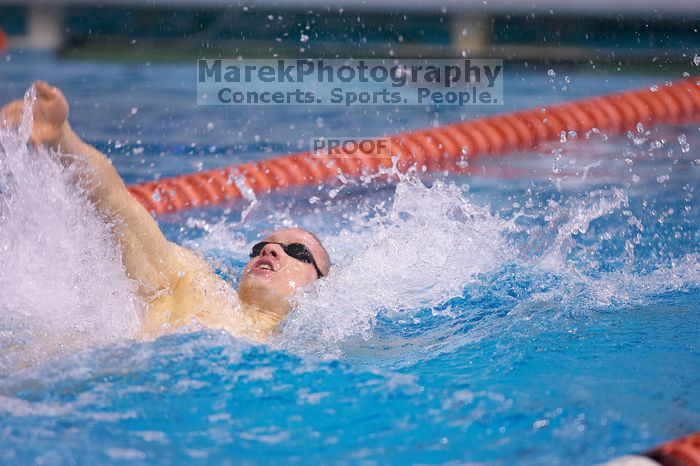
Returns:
(62,284)
(430,245)
(434,242)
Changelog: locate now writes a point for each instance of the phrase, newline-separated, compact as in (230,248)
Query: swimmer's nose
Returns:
(271,249)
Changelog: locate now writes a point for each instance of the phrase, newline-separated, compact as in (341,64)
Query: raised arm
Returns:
(147,256)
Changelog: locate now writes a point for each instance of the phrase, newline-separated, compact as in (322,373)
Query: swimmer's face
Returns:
(271,277)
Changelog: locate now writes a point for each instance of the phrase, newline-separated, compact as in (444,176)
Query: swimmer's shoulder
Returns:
(195,295)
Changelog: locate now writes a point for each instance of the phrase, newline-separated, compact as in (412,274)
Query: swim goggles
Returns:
(294,250)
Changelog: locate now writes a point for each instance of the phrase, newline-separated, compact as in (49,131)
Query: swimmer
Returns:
(177,287)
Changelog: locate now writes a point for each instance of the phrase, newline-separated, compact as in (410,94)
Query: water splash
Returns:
(436,244)
(430,245)
(246,191)
(62,284)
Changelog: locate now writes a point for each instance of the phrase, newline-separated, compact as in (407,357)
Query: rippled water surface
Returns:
(543,310)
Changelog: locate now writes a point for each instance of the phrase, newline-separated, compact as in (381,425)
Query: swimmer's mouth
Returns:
(264,264)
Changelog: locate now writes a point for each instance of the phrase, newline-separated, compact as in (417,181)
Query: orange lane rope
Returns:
(443,148)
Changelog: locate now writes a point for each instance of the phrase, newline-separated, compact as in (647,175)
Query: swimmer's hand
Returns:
(50,116)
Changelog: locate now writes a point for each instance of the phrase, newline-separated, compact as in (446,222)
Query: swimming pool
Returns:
(541,311)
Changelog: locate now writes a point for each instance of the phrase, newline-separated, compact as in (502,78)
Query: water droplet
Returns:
(540,424)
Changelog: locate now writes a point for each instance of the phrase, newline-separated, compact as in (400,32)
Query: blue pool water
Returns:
(541,311)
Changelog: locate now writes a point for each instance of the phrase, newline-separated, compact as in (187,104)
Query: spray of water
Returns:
(434,243)
(430,245)
(62,284)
